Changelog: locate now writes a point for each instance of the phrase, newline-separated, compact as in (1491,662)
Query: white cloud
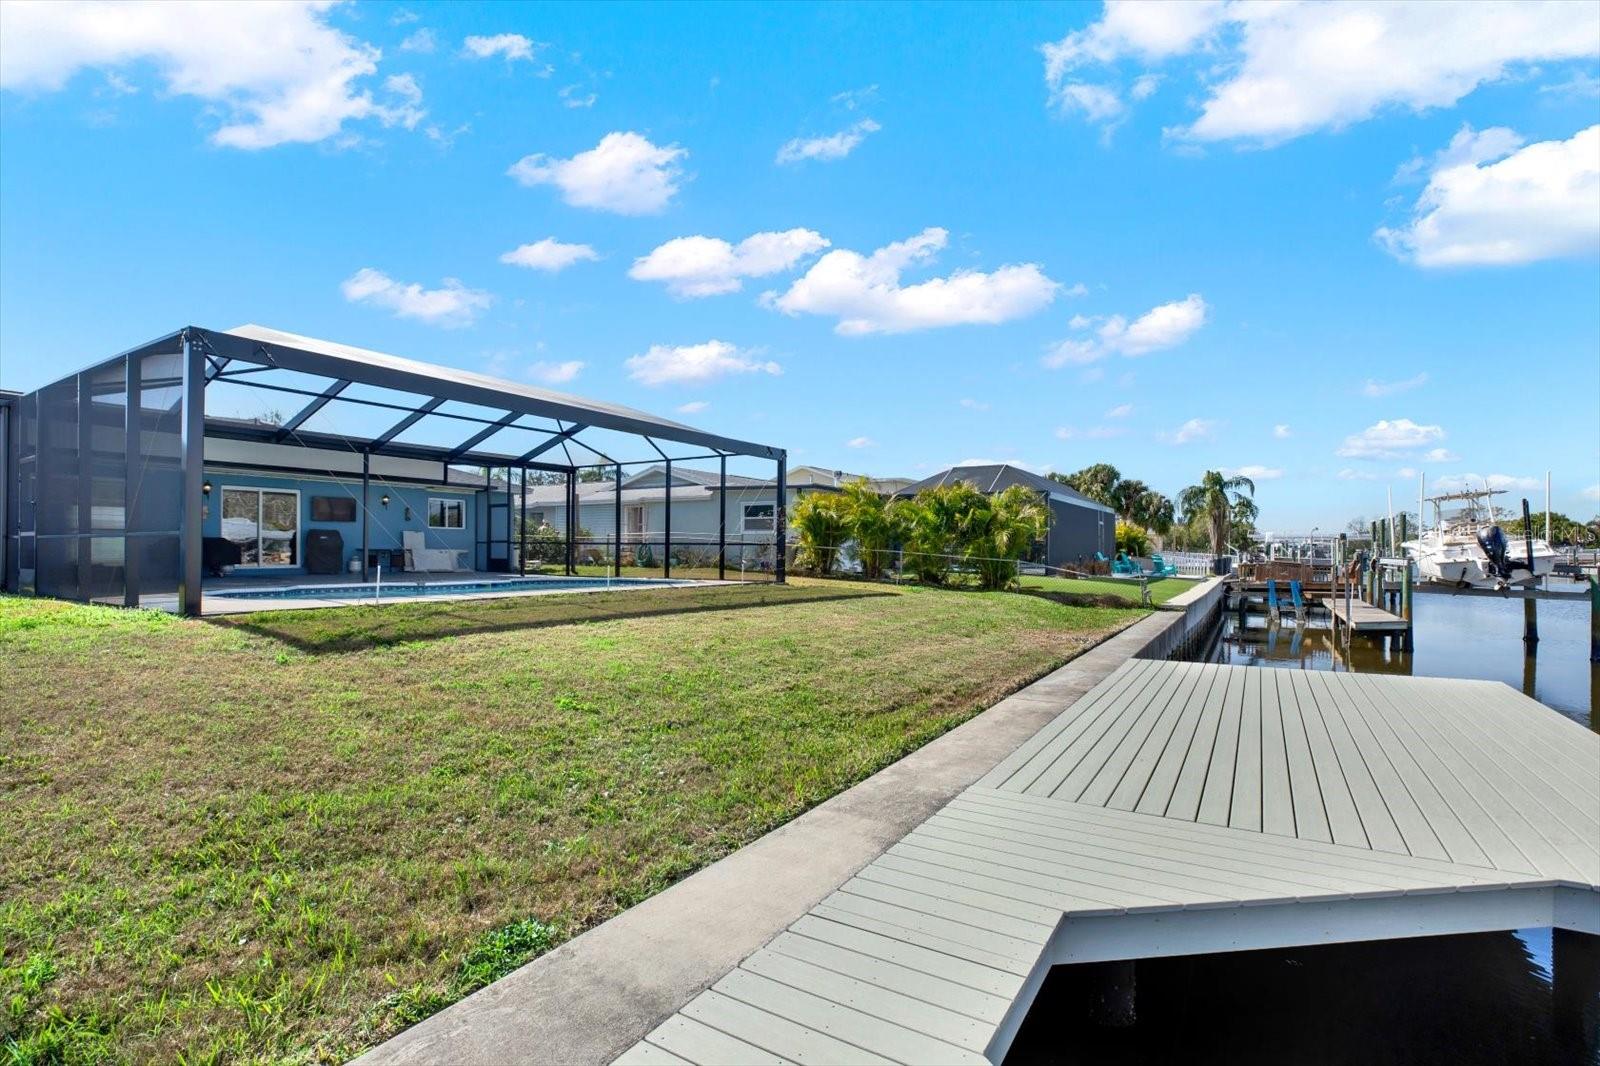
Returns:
(1582,85)
(1441,455)
(275,73)
(866,295)
(1122,410)
(423,42)
(556,373)
(1282,431)
(573,96)
(510,46)
(1476,482)
(1098,103)
(1254,473)
(1592,492)
(1165,326)
(664,364)
(549,255)
(1037,468)
(1406,472)
(1377,389)
(709,266)
(624,174)
(1390,439)
(693,407)
(1145,86)
(973,405)
(1347,474)
(1277,71)
(835,146)
(861,442)
(1191,431)
(851,99)
(450,305)
(1089,432)
(1541,202)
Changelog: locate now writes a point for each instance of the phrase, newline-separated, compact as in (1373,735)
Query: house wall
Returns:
(694,518)
(1076,533)
(388,523)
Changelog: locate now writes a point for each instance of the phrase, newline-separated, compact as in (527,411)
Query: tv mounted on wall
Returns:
(333,509)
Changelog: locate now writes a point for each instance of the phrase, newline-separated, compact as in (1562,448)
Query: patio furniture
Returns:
(421,557)
(1125,566)
(1159,567)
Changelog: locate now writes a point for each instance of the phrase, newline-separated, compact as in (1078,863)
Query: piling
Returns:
(1530,625)
(1594,619)
(1408,638)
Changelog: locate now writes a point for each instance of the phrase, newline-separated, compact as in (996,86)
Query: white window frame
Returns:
(299,524)
(771,519)
(628,511)
(459,503)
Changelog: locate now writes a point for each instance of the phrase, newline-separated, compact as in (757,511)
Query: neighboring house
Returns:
(697,513)
(1079,526)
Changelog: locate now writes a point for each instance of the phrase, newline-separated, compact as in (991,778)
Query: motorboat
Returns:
(1467,547)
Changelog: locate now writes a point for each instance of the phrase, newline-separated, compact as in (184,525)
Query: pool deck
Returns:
(1176,808)
(217,601)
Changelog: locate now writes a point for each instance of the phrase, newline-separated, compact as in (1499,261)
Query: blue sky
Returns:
(1330,246)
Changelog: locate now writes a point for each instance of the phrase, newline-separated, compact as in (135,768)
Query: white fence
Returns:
(1191,564)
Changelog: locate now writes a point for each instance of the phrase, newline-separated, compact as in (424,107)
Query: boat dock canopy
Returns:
(1176,809)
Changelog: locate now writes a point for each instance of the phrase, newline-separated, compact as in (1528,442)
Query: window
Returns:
(264,523)
(447,514)
(758,517)
(536,518)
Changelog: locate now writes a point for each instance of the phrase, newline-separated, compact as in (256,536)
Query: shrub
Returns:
(873,524)
(1132,539)
(820,521)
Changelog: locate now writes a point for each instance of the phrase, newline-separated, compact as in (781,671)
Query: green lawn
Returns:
(1161,589)
(288,835)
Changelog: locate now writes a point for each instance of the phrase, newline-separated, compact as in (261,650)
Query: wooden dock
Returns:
(1176,808)
(1363,617)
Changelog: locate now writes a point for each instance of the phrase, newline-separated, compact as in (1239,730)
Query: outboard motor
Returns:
(1494,545)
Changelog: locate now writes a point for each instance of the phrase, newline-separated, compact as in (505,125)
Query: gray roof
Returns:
(997,477)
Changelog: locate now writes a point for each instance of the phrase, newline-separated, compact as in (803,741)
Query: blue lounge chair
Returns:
(1125,566)
(1159,567)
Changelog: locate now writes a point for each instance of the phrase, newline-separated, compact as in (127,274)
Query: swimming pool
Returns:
(402,589)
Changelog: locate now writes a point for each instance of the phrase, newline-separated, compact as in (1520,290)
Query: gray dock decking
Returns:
(1363,617)
(1175,808)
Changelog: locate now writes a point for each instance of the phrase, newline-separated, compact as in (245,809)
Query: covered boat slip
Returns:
(109,472)
(1175,809)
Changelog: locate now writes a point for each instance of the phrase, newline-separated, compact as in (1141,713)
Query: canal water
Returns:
(1453,1001)
(1455,636)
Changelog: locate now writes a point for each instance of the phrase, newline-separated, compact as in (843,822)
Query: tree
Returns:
(872,525)
(1212,503)
(820,521)
(996,532)
(1132,538)
(1098,482)
(1151,510)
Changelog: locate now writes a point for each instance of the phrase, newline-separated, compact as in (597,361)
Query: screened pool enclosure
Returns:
(208,459)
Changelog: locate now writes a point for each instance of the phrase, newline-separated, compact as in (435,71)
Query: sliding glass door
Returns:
(264,523)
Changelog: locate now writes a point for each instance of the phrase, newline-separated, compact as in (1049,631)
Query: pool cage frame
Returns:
(117,487)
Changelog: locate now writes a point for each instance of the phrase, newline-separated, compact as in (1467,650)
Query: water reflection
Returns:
(1463,1000)
(1455,636)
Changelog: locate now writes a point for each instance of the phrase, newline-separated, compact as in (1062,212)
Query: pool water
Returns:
(402,589)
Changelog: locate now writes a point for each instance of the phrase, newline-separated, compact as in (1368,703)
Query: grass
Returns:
(1161,589)
(286,836)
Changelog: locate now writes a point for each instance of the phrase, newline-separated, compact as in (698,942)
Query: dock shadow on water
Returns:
(1473,1000)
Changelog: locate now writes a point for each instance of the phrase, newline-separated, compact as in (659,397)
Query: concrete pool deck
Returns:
(216,600)
(596,996)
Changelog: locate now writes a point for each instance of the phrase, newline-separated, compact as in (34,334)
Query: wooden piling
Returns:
(1530,625)
(1408,639)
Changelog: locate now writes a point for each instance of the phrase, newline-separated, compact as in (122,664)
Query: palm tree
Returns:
(871,523)
(999,530)
(820,521)
(1213,501)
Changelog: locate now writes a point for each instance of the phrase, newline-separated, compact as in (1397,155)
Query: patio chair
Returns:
(421,557)
(1125,566)
(1159,567)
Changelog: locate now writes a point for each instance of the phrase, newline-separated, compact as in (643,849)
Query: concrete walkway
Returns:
(595,996)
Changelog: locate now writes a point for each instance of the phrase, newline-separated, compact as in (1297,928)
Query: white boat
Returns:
(1467,547)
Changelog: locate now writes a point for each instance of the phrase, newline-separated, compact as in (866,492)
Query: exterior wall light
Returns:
(384,499)
(205,488)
